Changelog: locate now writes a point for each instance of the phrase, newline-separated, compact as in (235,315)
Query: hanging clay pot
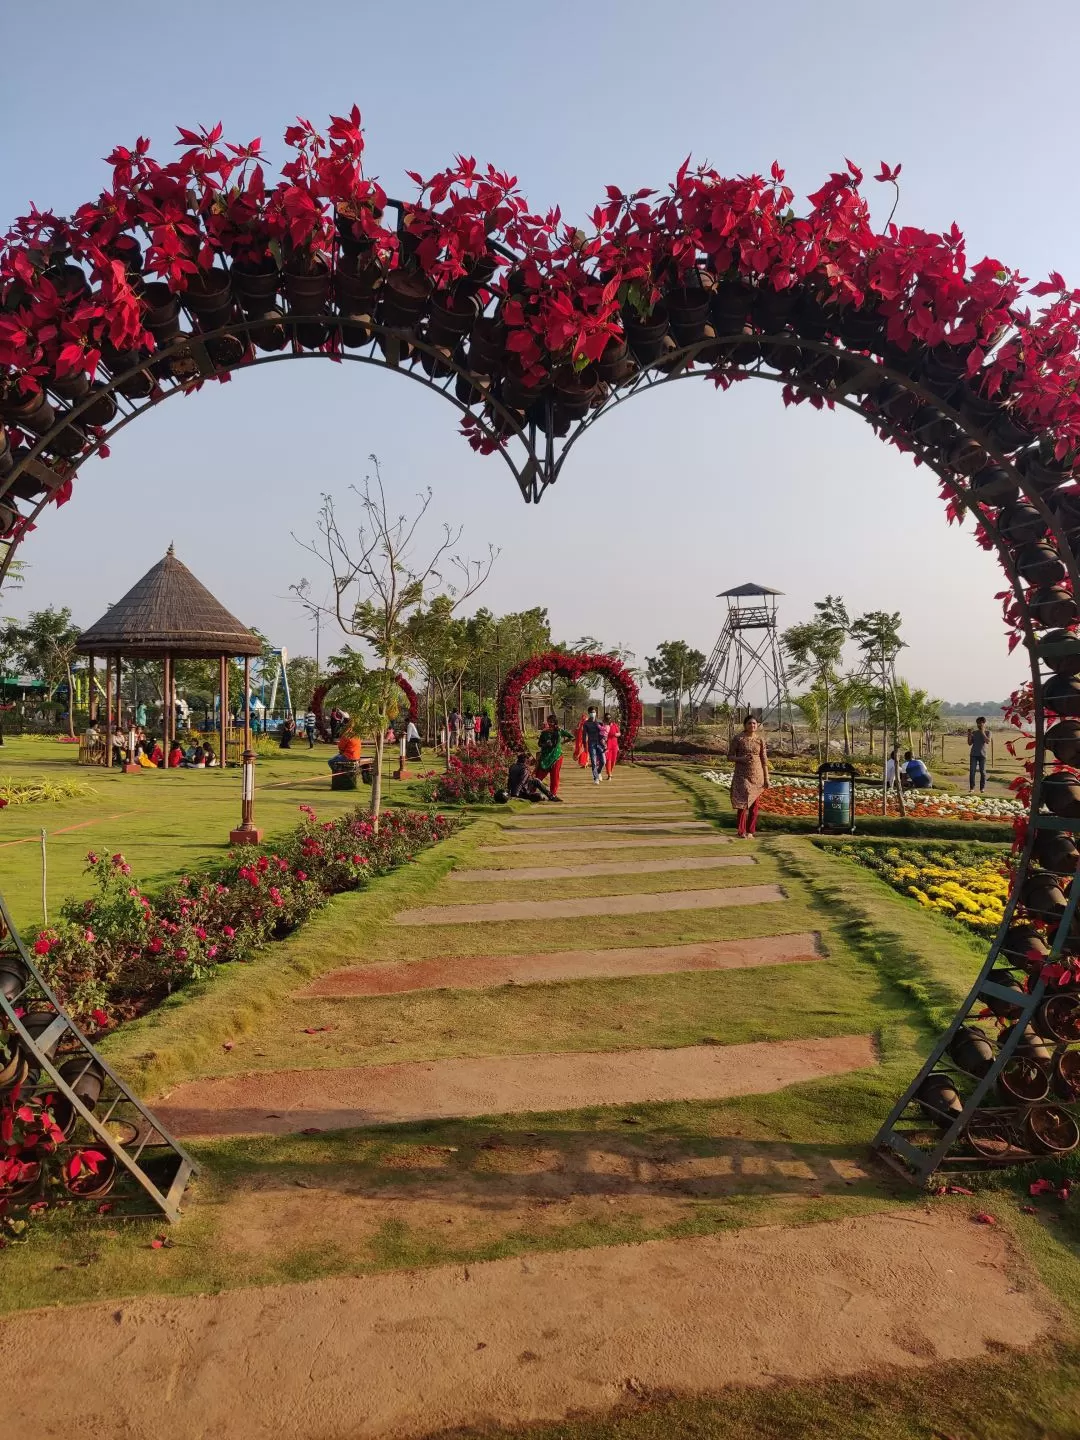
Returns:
(1052,605)
(1031,1045)
(161,311)
(67,442)
(1059,651)
(971,1050)
(101,411)
(774,310)
(896,402)
(404,299)
(1024,1080)
(994,486)
(995,1004)
(730,307)
(574,392)
(688,308)
(1060,793)
(1020,524)
(1061,694)
(87,1081)
(13,976)
(1040,564)
(7,460)
(19,1191)
(208,297)
(1066,1075)
(1052,1130)
(1043,898)
(615,364)
(31,412)
(939,1100)
(134,386)
(89,1184)
(645,335)
(487,344)
(71,387)
(452,316)
(1024,947)
(1059,1017)
(1063,741)
(256,286)
(1055,851)
(1010,432)
(269,334)
(967,457)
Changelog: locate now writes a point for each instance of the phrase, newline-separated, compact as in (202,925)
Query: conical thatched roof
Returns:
(168,613)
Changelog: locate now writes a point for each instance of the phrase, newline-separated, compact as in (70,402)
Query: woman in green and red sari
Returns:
(549,756)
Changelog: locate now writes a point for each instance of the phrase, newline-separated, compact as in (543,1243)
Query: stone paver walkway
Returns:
(611,867)
(285,1101)
(648,904)
(661,843)
(482,972)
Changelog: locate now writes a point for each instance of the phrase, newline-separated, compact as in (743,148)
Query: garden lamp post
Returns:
(401,773)
(247,834)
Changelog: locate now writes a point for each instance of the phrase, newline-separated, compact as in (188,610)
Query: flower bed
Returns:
(122,952)
(965,884)
(471,778)
(797,797)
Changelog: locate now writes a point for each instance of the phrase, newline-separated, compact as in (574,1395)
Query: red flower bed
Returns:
(471,778)
(570,667)
(121,952)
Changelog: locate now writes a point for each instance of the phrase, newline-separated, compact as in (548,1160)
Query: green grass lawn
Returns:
(294,1207)
(167,822)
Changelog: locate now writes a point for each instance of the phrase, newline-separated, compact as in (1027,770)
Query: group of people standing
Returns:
(596,744)
(467,728)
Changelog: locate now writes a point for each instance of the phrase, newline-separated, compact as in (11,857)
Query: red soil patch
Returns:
(285,1101)
(663,900)
(480,972)
(526,1339)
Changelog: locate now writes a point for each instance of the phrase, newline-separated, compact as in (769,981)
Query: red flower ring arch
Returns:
(182,272)
(319,694)
(570,667)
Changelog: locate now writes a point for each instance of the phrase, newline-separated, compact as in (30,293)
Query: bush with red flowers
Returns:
(471,777)
(569,666)
(122,951)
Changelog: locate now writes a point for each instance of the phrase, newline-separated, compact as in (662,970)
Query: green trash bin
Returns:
(836,799)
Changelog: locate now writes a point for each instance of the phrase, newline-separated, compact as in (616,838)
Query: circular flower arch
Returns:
(571,667)
(319,694)
(186,271)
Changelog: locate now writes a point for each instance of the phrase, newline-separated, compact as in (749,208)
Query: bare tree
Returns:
(377,585)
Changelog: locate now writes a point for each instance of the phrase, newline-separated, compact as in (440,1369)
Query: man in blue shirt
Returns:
(592,738)
(916,775)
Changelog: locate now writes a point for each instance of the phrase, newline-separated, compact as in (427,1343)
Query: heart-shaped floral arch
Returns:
(319,694)
(570,666)
(183,272)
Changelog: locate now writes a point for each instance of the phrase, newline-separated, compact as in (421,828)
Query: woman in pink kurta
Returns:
(751,775)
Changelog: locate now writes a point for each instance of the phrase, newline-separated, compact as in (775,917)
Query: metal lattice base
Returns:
(92,1105)
(989,1125)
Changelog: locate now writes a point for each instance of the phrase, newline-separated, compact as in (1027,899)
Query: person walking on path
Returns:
(592,736)
(581,755)
(751,776)
(309,728)
(611,747)
(485,727)
(549,756)
(979,740)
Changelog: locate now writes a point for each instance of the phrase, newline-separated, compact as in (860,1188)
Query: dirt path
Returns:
(285,1101)
(525,1339)
(603,867)
(481,972)
(651,904)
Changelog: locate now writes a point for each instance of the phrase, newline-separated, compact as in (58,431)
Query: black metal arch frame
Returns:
(535,445)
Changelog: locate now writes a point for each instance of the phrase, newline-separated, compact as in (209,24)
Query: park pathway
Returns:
(554,868)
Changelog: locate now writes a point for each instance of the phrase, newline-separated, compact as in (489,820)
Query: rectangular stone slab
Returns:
(629,827)
(661,843)
(482,972)
(603,867)
(501,910)
(284,1101)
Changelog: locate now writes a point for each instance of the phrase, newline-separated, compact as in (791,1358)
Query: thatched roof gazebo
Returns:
(168,615)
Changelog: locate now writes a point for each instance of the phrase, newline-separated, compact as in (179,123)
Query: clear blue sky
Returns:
(670,499)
